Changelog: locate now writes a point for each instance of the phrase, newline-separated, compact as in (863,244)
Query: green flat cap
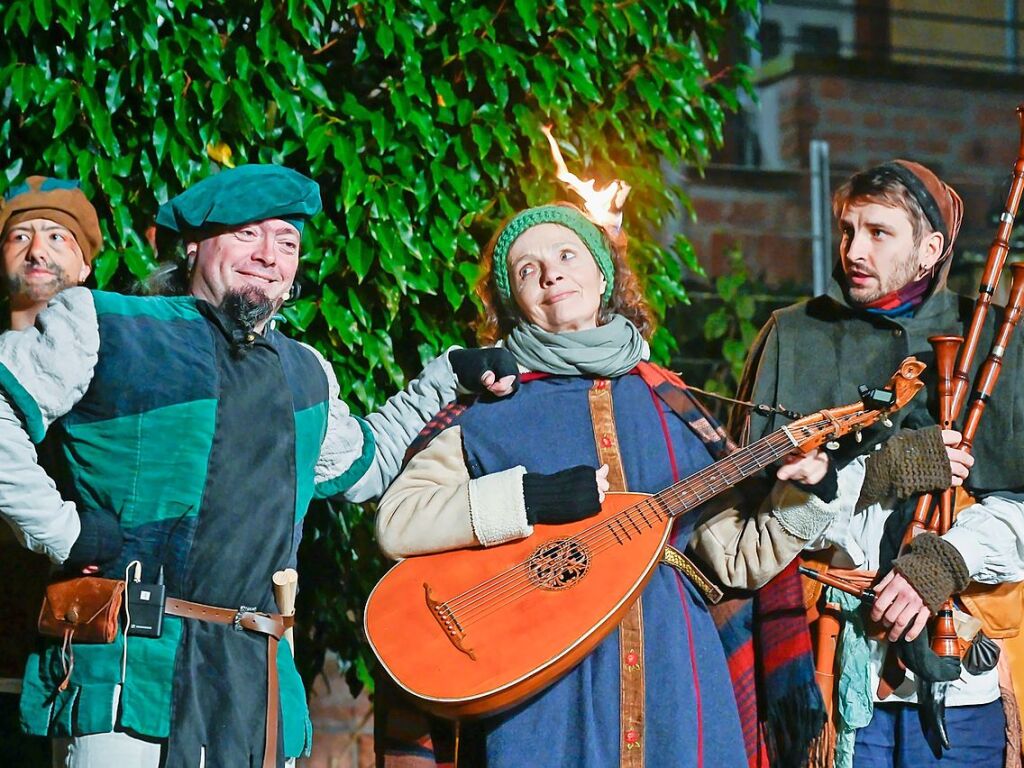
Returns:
(240,195)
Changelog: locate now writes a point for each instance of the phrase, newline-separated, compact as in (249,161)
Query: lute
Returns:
(473,631)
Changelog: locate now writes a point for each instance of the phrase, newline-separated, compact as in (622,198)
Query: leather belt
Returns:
(272,625)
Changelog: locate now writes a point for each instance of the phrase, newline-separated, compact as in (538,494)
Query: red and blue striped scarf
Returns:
(901,302)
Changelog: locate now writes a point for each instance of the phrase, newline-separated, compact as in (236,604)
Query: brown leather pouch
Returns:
(83,609)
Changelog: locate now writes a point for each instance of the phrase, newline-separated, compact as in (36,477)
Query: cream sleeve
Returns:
(745,549)
(434,505)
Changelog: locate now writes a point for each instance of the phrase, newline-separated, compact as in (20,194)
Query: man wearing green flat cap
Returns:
(194,438)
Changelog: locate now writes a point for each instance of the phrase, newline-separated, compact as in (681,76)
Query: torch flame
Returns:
(603,205)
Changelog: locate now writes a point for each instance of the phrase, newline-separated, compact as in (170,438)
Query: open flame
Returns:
(603,205)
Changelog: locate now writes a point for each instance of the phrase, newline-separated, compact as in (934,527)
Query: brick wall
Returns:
(764,213)
(962,125)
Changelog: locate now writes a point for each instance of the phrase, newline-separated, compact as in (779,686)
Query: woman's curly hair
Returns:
(498,319)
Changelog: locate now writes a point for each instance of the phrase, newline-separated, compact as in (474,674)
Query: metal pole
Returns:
(821,216)
(1011,16)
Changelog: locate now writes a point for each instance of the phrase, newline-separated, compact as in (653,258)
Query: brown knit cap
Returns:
(60,201)
(950,206)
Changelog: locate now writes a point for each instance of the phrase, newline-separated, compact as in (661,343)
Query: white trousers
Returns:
(106,750)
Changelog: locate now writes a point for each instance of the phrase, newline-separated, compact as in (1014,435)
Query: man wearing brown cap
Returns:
(49,235)
(898,222)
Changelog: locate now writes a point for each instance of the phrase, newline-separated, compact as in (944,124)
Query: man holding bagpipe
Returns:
(899,703)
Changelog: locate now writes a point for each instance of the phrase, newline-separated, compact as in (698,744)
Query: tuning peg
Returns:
(832,445)
(858,436)
(887,422)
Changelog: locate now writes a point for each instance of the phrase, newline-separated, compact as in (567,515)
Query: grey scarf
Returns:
(609,350)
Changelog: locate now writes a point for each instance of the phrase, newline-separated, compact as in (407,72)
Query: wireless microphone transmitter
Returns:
(146,607)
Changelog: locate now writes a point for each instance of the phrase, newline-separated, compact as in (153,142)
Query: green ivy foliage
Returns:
(731,324)
(421,121)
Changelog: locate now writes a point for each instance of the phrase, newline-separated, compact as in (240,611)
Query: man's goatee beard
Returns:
(248,306)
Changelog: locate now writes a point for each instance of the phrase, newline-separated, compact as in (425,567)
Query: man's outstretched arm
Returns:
(44,371)
(360,457)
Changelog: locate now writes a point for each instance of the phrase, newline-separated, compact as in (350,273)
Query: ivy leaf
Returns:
(385,39)
(359,257)
(43,12)
(716,325)
(64,112)
(527,10)
(300,314)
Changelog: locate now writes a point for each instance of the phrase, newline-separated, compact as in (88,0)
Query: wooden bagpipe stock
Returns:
(954,358)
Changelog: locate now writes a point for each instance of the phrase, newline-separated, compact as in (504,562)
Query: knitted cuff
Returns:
(99,542)
(912,461)
(934,568)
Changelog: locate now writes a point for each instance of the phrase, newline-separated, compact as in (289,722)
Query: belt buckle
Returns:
(236,622)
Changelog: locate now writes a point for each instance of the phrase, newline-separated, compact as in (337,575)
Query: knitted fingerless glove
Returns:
(935,568)
(563,497)
(912,461)
(826,489)
(469,365)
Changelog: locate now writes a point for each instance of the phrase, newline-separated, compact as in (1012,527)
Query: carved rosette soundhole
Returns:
(558,564)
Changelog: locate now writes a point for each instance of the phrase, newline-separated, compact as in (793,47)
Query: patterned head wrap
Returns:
(941,204)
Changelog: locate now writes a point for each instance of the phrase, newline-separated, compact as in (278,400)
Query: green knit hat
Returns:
(568,216)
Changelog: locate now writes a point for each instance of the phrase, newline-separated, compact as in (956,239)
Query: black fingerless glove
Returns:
(910,462)
(563,497)
(935,568)
(470,364)
(99,542)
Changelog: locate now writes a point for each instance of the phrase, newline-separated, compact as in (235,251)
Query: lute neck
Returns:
(701,486)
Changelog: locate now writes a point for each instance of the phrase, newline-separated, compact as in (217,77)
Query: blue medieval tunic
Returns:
(690,714)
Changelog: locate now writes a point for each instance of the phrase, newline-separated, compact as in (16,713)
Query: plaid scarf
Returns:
(768,647)
(901,302)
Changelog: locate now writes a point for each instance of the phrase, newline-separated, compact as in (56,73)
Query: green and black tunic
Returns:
(209,444)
